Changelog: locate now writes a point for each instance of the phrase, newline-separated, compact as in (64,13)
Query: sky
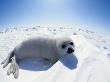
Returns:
(93,14)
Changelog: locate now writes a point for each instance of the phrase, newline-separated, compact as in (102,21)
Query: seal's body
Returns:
(49,48)
(44,47)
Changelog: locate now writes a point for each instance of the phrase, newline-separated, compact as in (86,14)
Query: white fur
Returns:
(48,47)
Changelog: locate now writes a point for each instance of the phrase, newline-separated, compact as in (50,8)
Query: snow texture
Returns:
(89,63)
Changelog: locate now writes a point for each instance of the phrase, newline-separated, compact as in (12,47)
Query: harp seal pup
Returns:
(47,47)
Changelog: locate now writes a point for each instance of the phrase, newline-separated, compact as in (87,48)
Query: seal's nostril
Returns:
(73,50)
(70,50)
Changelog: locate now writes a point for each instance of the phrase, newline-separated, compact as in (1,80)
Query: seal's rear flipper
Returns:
(8,59)
(14,68)
(3,61)
(6,63)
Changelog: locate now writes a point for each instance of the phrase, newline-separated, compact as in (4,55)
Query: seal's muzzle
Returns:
(70,50)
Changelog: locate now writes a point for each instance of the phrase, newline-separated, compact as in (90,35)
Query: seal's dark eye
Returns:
(63,46)
(71,43)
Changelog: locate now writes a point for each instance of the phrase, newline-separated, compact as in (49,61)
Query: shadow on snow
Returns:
(33,64)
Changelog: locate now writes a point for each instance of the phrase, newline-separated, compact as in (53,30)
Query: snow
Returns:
(89,63)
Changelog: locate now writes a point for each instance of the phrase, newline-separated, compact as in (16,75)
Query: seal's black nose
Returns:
(70,50)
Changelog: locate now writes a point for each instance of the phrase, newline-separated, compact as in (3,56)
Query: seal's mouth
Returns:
(70,50)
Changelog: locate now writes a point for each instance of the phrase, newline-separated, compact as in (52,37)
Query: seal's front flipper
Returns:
(14,68)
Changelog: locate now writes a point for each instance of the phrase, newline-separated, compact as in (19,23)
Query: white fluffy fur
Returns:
(48,47)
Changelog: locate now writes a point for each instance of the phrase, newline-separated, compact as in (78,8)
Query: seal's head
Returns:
(65,45)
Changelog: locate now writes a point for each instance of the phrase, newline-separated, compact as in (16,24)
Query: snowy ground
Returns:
(92,56)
